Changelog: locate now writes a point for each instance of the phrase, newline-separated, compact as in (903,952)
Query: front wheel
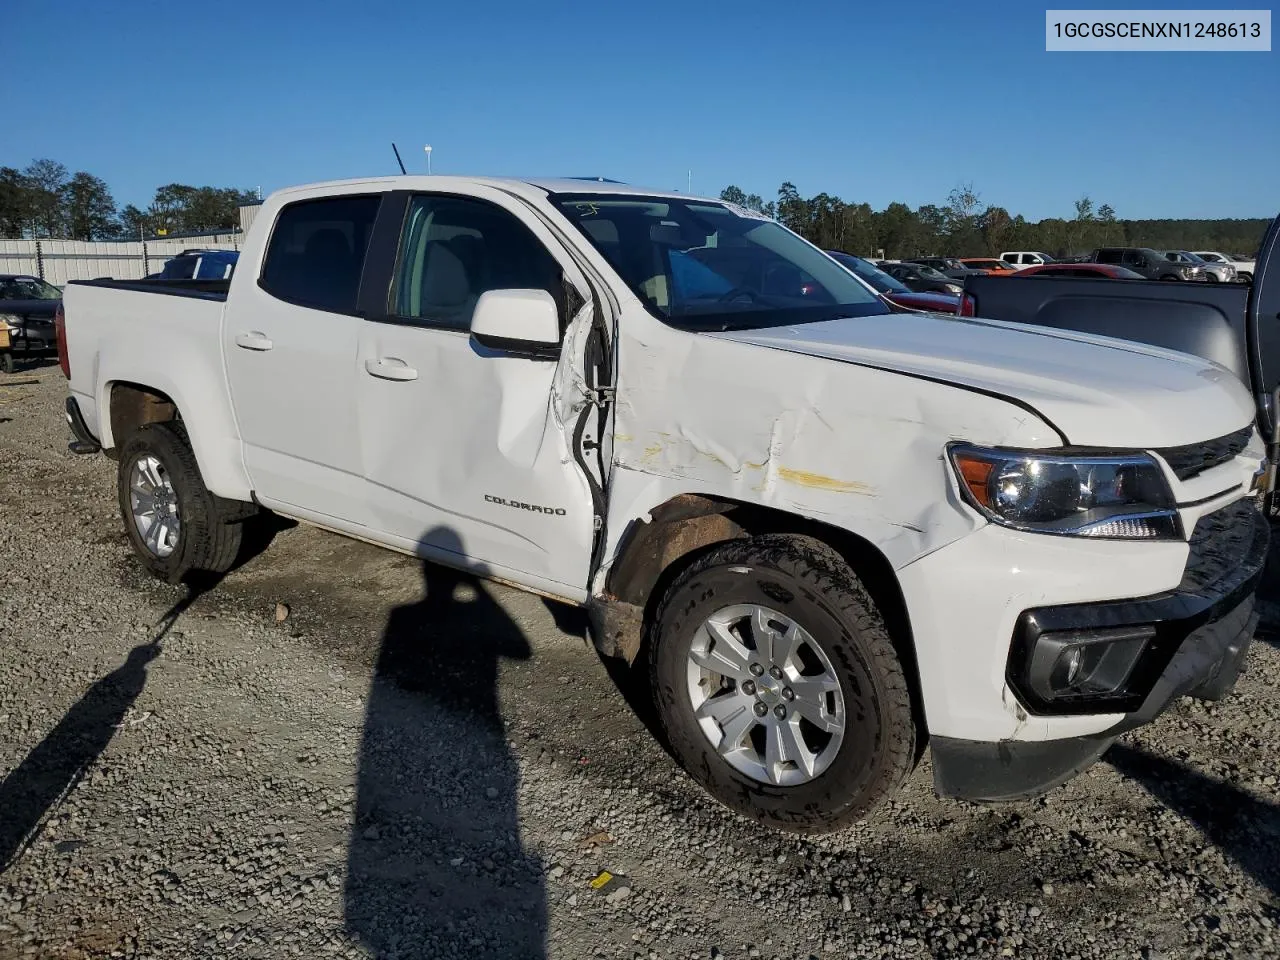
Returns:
(175,525)
(1244,278)
(6,361)
(778,686)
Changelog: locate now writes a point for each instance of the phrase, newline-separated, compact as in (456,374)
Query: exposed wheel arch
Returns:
(132,405)
(652,552)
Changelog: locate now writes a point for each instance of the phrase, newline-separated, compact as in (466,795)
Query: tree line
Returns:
(45,200)
(964,226)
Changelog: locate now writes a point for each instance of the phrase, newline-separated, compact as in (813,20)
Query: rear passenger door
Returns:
(465,457)
(289,338)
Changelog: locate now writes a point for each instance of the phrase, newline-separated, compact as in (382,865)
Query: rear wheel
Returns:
(6,361)
(778,686)
(1244,277)
(175,525)
(1170,276)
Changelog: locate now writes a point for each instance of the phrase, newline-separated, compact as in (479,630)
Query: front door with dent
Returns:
(463,451)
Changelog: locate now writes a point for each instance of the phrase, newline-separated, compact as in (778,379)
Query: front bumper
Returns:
(1203,630)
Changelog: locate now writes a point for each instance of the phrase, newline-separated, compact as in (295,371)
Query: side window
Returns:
(453,249)
(1135,258)
(1110,256)
(1010,258)
(317,251)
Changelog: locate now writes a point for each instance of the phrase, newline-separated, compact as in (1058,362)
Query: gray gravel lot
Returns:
(335,752)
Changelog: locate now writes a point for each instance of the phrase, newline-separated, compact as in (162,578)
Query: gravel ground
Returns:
(335,752)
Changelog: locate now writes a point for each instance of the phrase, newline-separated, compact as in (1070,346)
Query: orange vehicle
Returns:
(990,266)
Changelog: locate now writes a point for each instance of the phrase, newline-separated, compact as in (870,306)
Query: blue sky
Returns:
(875,103)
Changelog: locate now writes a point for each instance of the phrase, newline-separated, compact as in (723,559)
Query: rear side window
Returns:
(1108,256)
(317,251)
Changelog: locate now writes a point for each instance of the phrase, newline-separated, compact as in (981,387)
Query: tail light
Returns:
(968,305)
(60,331)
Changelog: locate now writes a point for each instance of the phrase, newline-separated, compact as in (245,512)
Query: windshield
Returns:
(870,273)
(701,265)
(1211,257)
(27,288)
(931,274)
(1188,257)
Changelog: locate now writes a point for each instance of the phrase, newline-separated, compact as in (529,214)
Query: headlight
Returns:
(955,288)
(1122,496)
(12,321)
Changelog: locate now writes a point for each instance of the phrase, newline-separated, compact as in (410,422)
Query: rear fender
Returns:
(198,390)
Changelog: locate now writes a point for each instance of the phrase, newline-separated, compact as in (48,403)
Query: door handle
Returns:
(253,340)
(390,368)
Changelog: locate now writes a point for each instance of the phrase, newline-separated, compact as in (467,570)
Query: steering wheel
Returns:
(736,293)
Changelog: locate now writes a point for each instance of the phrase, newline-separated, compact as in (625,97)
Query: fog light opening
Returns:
(1071,665)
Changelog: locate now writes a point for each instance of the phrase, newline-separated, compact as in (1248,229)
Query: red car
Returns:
(1095,271)
(893,290)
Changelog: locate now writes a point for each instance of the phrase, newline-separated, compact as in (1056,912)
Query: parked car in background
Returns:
(1152,264)
(1025,258)
(1213,272)
(947,266)
(199,265)
(922,279)
(1095,271)
(1244,266)
(895,290)
(27,308)
(989,266)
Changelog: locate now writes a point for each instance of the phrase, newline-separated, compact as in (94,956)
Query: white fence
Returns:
(58,261)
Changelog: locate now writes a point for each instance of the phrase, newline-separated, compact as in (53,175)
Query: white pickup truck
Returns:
(835,531)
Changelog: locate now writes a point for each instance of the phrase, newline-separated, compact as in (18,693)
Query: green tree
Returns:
(46,180)
(15,203)
(90,211)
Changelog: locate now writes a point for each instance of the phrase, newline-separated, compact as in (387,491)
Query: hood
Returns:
(1095,390)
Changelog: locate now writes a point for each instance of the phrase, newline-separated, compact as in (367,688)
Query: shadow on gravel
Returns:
(57,764)
(1246,829)
(435,865)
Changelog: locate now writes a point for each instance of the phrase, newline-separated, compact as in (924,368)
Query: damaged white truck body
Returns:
(833,531)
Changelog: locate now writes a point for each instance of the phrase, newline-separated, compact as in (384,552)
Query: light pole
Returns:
(427,150)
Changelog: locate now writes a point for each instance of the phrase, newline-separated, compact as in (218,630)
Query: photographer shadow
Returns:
(435,861)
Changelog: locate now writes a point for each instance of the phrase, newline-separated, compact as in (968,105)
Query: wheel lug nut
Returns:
(776,673)
(788,693)
(760,709)
(756,670)
(780,712)
(748,687)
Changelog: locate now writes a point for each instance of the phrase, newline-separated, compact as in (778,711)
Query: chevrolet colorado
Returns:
(834,532)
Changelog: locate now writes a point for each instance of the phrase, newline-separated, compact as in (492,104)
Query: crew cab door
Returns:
(289,338)
(469,451)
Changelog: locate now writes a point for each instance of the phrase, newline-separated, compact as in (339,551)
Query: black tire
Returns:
(1244,278)
(1170,276)
(810,583)
(208,537)
(1211,278)
(6,361)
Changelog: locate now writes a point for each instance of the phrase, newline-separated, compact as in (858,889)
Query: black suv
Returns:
(1150,263)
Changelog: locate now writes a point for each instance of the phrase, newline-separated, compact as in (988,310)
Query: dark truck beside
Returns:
(1234,325)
